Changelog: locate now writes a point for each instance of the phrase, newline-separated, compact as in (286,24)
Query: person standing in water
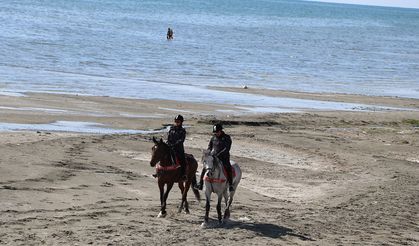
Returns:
(169,35)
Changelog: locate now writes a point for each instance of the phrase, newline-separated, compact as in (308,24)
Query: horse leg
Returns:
(227,210)
(225,194)
(236,182)
(207,208)
(182,190)
(187,207)
(220,197)
(185,196)
(166,194)
(162,211)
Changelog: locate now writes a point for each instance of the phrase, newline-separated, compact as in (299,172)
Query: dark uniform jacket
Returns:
(221,147)
(175,139)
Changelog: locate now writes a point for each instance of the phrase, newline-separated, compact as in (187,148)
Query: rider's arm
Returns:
(228,143)
(169,136)
(181,139)
(227,147)
(210,145)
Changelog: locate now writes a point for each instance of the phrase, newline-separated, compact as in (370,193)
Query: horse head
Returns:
(210,162)
(159,151)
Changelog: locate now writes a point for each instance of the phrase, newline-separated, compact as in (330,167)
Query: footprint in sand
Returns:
(107,184)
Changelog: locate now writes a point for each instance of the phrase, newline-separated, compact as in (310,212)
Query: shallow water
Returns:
(72,126)
(118,48)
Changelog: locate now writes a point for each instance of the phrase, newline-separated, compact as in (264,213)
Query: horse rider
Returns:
(220,145)
(175,138)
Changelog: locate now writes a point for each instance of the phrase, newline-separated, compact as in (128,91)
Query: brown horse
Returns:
(168,173)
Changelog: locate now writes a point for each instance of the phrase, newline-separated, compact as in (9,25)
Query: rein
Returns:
(216,180)
(172,167)
(167,168)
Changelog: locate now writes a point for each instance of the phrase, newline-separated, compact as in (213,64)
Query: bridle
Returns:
(211,170)
(163,156)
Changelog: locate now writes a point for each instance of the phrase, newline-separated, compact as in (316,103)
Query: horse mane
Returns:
(161,142)
(216,161)
(165,145)
(165,149)
(205,153)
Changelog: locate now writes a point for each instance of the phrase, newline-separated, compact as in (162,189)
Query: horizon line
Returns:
(364,4)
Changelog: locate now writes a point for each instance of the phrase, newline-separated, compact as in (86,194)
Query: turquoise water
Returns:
(119,48)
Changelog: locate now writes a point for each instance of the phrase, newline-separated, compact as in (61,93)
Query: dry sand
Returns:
(314,178)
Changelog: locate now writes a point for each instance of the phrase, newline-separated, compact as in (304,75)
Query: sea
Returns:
(118,48)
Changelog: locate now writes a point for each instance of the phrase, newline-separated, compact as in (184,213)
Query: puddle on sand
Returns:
(72,126)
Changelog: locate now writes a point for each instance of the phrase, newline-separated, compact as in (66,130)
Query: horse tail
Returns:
(193,164)
(195,191)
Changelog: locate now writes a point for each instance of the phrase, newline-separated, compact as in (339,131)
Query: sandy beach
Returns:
(309,178)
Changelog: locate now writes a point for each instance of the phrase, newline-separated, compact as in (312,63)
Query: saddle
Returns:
(175,165)
(187,158)
(215,180)
(233,172)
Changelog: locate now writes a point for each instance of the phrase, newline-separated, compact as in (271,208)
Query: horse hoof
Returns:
(161,215)
(187,212)
(204,225)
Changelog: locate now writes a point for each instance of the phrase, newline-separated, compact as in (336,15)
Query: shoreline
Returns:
(123,113)
(335,97)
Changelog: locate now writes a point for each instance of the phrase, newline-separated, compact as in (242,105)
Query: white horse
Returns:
(216,182)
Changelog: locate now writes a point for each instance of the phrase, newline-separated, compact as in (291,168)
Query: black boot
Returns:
(200,185)
(230,178)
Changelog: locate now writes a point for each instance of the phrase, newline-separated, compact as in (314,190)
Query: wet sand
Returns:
(309,178)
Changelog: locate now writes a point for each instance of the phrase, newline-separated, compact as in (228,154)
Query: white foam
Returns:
(49,110)
(176,110)
(154,116)
(268,110)
(12,94)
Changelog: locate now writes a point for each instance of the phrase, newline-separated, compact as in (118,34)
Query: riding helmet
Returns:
(217,127)
(179,117)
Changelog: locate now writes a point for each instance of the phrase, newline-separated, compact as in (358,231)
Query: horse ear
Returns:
(154,140)
(161,140)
